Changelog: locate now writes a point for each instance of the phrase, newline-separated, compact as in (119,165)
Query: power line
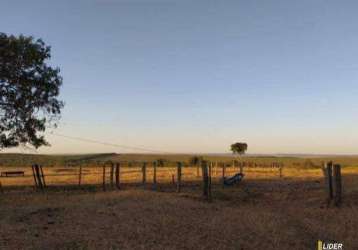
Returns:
(108,144)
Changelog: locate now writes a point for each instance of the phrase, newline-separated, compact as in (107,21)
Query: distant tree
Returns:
(239,148)
(29,90)
(161,162)
(196,160)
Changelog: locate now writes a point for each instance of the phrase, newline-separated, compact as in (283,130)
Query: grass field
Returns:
(64,160)
(262,212)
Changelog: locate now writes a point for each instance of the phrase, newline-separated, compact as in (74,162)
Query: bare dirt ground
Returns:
(257,214)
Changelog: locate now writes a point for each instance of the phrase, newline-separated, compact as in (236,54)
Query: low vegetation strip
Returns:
(93,174)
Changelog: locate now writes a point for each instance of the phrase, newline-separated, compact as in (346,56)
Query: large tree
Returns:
(29,90)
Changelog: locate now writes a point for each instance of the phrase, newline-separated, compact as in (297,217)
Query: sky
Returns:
(195,76)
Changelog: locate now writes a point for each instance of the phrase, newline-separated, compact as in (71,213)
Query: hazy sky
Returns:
(195,76)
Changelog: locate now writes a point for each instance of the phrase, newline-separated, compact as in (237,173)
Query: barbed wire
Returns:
(109,144)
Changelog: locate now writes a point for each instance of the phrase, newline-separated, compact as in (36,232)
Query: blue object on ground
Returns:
(233,180)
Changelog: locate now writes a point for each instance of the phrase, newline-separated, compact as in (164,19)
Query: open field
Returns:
(66,169)
(93,175)
(64,160)
(264,211)
(258,214)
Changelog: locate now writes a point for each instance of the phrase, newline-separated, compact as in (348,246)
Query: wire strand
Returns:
(108,144)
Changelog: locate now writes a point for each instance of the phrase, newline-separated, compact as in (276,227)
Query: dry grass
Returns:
(263,212)
(92,175)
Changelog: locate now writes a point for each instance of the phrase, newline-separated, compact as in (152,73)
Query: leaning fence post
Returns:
(42,177)
(38,171)
(34,174)
(337,184)
(179,166)
(118,171)
(38,177)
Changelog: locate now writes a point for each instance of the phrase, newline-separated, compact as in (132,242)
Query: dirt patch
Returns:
(255,215)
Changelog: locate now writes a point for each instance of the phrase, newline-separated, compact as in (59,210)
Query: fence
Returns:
(129,172)
(333,181)
(157,175)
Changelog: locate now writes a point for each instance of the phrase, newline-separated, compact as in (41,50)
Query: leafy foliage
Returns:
(161,162)
(196,160)
(239,148)
(29,89)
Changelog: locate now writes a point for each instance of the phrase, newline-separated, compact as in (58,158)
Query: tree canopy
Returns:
(161,162)
(29,90)
(196,160)
(239,148)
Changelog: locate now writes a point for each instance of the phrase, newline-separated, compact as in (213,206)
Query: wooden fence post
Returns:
(118,171)
(111,174)
(280,170)
(337,184)
(42,176)
(39,179)
(179,166)
(34,174)
(154,175)
(211,169)
(1,189)
(223,173)
(209,181)
(328,181)
(144,173)
(206,181)
(104,177)
(241,169)
(38,176)
(216,168)
(80,176)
